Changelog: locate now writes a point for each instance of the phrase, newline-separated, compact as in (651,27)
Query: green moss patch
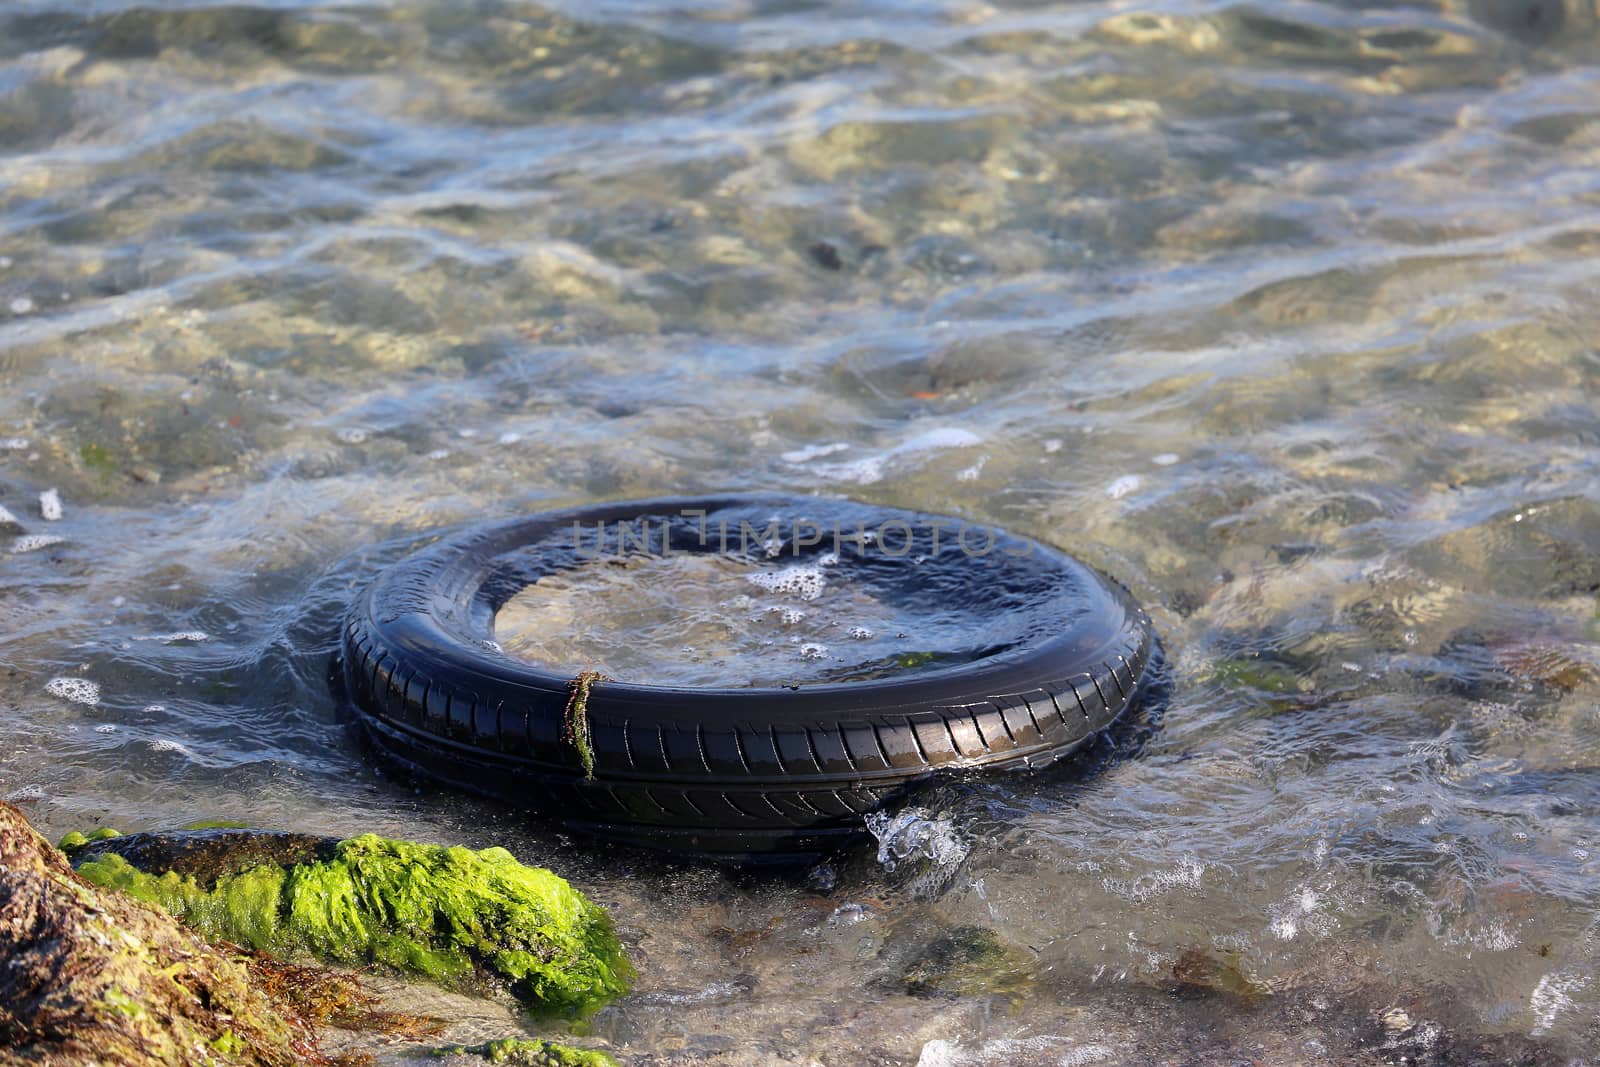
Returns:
(451,915)
(518,1052)
(1264,675)
(75,840)
(217,824)
(968,961)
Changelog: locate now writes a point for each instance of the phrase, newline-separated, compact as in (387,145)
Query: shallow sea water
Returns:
(829,592)
(1283,314)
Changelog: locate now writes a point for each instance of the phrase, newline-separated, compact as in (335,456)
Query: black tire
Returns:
(740,772)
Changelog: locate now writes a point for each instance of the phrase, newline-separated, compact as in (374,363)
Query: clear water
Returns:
(706,620)
(1283,314)
(747,595)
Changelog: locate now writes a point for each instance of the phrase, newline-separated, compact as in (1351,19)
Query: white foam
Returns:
(21,305)
(941,1053)
(807,583)
(1011,1050)
(14,444)
(352,435)
(944,437)
(77,690)
(181,637)
(850,914)
(27,792)
(1551,997)
(812,650)
(32,543)
(50,505)
(714,991)
(873,468)
(861,633)
(105,728)
(162,744)
(810,452)
(1128,483)
(1185,876)
(1165,459)
(861,472)
(8,519)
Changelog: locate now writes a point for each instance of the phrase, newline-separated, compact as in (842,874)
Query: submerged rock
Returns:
(94,977)
(1202,971)
(967,961)
(452,915)
(521,1052)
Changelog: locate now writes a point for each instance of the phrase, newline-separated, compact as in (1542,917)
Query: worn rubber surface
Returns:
(736,771)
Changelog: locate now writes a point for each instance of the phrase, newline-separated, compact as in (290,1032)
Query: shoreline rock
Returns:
(157,973)
(97,977)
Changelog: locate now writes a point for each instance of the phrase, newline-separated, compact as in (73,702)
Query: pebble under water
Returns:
(1281,314)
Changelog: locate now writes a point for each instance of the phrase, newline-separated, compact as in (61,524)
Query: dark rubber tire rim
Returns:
(742,772)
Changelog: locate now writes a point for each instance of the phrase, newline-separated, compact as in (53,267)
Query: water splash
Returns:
(916,834)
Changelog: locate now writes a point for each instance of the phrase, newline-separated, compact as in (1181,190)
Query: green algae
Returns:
(76,840)
(1261,675)
(577,718)
(450,915)
(522,1052)
(1226,974)
(98,458)
(968,961)
(216,824)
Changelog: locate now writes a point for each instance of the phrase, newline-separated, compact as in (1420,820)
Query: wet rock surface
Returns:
(91,976)
(205,855)
(95,974)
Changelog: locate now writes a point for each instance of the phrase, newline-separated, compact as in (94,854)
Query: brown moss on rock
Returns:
(335,998)
(98,977)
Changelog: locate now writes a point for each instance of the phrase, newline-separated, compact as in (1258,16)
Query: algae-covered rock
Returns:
(452,915)
(94,977)
(967,961)
(1205,972)
(205,854)
(520,1052)
(1264,675)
